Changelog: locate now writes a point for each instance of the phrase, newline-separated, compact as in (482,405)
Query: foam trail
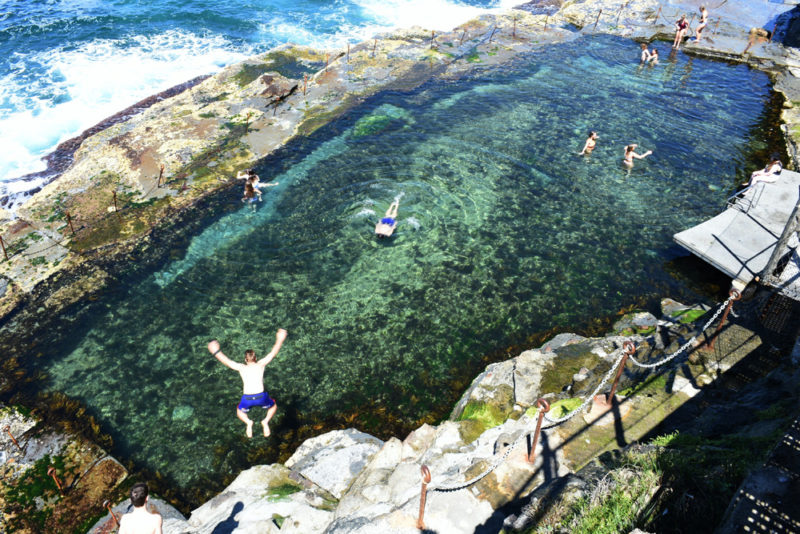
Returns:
(440,15)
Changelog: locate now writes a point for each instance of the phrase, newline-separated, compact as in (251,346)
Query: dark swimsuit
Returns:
(257,399)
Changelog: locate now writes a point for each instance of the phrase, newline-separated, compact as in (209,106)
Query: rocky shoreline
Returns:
(69,240)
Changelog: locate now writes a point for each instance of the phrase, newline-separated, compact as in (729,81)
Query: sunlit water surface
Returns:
(504,231)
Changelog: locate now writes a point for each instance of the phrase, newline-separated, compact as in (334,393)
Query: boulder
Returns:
(334,460)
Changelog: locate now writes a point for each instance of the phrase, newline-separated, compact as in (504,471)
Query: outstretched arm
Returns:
(642,156)
(279,337)
(213,348)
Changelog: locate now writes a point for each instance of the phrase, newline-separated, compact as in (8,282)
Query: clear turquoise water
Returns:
(504,231)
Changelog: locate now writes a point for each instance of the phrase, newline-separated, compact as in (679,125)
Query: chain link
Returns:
(686,345)
(588,400)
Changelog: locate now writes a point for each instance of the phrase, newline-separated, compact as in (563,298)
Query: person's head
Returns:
(644,46)
(249,356)
(139,494)
(593,134)
(702,8)
(251,172)
(630,148)
(654,52)
(683,17)
(775,157)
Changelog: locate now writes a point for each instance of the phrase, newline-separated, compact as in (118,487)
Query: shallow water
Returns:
(503,231)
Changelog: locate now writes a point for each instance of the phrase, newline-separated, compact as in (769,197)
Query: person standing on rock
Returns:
(140,521)
(252,373)
(698,32)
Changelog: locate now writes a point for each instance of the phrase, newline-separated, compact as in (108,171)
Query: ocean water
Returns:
(503,231)
(65,65)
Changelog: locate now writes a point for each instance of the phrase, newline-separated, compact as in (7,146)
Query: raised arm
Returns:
(213,348)
(280,336)
(642,156)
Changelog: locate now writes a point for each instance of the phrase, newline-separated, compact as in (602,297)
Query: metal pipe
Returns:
(735,295)
(107,504)
(69,221)
(619,15)
(160,174)
(543,407)
(492,34)
(7,430)
(374,46)
(52,472)
(426,479)
(719,19)
(462,38)
(305,83)
(546,20)
(598,20)
(655,21)
(433,36)
(628,348)
(3,246)
(514,30)
(348,53)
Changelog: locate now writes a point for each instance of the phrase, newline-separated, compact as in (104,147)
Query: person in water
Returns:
(251,178)
(630,154)
(645,53)
(252,373)
(680,31)
(768,174)
(591,141)
(140,521)
(698,32)
(653,57)
(389,222)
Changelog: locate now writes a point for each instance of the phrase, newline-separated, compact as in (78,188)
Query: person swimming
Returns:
(645,53)
(590,143)
(388,223)
(653,57)
(630,154)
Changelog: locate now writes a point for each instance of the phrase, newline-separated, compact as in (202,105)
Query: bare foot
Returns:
(266,428)
(249,430)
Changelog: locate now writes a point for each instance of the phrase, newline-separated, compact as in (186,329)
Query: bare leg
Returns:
(246,420)
(392,211)
(265,422)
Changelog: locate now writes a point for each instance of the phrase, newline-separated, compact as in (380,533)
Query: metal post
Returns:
(374,46)
(69,221)
(116,210)
(655,21)
(719,19)
(735,295)
(790,228)
(598,20)
(619,15)
(52,472)
(107,504)
(433,36)
(7,430)
(546,20)
(492,34)
(305,83)
(160,174)
(514,30)
(3,246)
(628,348)
(462,38)
(543,407)
(426,479)
(348,53)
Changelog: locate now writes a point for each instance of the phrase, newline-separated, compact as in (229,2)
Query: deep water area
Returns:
(504,230)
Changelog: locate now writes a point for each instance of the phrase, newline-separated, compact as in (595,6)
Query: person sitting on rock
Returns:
(140,521)
(681,26)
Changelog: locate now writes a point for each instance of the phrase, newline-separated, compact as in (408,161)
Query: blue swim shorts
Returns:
(388,220)
(259,399)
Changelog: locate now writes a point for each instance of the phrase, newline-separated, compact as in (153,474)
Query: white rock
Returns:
(334,460)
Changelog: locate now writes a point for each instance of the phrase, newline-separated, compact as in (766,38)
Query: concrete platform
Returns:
(740,240)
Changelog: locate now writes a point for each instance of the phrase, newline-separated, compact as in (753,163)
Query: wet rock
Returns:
(334,460)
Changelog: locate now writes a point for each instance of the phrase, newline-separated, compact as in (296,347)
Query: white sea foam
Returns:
(441,15)
(84,86)
(413,222)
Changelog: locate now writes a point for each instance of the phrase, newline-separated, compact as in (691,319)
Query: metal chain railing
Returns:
(627,351)
(692,341)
